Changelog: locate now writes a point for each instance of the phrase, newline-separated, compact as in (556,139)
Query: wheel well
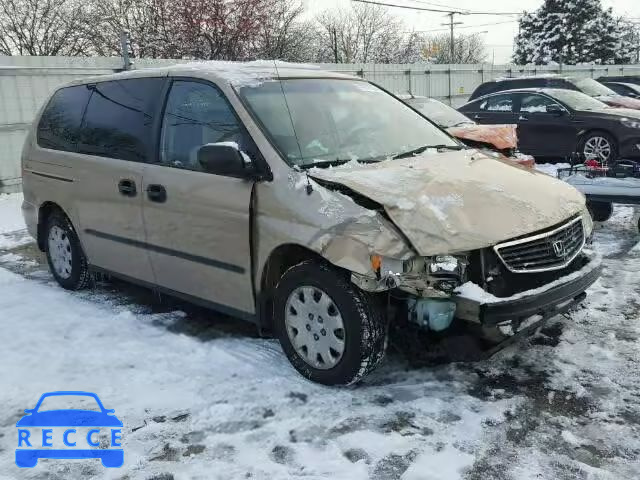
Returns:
(280,260)
(45,210)
(598,130)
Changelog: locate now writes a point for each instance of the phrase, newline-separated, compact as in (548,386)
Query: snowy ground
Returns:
(202,397)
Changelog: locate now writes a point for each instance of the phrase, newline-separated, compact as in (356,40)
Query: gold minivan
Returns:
(315,204)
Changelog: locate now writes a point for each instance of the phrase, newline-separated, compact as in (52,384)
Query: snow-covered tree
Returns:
(570,32)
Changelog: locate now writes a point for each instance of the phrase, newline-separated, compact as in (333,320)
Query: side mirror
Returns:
(224,159)
(556,110)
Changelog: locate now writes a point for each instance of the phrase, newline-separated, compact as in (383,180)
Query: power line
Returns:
(425,9)
(465,26)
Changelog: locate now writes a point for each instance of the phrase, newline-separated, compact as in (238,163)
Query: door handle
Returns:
(522,118)
(127,188)
(157,193)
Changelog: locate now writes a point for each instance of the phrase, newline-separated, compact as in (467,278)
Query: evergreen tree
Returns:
(571,32)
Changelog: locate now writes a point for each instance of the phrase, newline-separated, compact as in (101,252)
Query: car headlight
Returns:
(630,122)
(587,222)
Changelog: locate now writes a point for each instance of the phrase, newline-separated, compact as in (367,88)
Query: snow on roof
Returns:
(239,74)
(525,77)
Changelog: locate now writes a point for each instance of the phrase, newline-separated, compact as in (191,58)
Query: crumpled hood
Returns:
(500,136)
(459,201)
(620,101)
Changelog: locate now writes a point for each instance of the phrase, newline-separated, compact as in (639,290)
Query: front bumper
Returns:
(546,301)
(630,147)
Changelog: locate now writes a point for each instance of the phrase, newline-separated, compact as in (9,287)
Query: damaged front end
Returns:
(507,288)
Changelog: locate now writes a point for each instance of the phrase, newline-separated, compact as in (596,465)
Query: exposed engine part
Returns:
(430,277)
(433,314)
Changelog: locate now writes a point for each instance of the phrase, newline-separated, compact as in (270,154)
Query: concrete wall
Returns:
(25,82)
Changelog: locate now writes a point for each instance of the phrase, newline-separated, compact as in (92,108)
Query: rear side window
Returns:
(498,103)
(119,119)
(60,122)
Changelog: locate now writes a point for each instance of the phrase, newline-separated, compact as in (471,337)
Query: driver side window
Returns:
(196,114)
(536,104)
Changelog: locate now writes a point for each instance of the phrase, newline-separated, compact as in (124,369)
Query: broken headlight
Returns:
(441,272)
(447,271)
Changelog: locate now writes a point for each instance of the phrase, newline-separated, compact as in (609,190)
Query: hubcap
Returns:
(60,251)
(315,327)
(597,148)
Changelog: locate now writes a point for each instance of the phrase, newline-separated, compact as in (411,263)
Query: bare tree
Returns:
(467,49)
(221,29)
(363,33)
(43,27)
(152,26)
(284,35)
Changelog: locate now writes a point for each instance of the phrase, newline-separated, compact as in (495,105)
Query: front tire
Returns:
(600,211)
(67,261)
(599,146)
(331,331)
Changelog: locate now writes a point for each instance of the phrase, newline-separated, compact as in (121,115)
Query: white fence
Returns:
(25,82)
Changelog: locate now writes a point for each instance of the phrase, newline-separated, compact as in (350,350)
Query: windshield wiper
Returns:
(420,150)
(324,163)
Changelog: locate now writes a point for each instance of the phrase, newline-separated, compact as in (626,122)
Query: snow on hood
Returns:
(500,136)
(459,201)
(620,101)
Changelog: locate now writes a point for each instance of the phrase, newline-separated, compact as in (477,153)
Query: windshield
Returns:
(335,121)
(438,112)
(69,402)
(578,100)
(591,87)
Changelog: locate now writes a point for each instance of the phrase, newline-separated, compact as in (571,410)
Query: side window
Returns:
(498,103)
(196,114)
(536,103)
(119,119)
(60,122)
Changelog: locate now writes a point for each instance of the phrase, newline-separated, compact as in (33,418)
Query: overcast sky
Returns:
(499,31)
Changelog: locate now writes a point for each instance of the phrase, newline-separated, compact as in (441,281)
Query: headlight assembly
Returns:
(630,122)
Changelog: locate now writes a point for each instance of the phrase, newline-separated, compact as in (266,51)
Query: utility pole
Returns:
(124,45)
(452,39)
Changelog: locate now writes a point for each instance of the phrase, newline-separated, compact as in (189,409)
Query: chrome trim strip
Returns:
(497,248)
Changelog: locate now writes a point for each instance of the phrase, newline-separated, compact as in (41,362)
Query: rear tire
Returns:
(67,261)
(314,288)
(600,211)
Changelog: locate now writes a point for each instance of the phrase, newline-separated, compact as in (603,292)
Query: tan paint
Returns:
(459,201)
(444,203)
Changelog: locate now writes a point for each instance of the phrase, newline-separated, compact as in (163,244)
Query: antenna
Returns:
(309,187)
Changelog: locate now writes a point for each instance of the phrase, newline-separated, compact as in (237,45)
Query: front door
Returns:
(115,142)
(198,224)
(542,133)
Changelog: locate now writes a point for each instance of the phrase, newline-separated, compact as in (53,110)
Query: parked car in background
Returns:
(286,197)
(556,123)
(501,139)
(635,79)
(625,89)
(588,86)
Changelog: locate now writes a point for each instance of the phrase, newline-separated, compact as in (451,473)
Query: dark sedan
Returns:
(588,86)
(625,89)
(557,122)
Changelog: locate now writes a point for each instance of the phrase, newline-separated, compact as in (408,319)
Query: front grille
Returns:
(546,251)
